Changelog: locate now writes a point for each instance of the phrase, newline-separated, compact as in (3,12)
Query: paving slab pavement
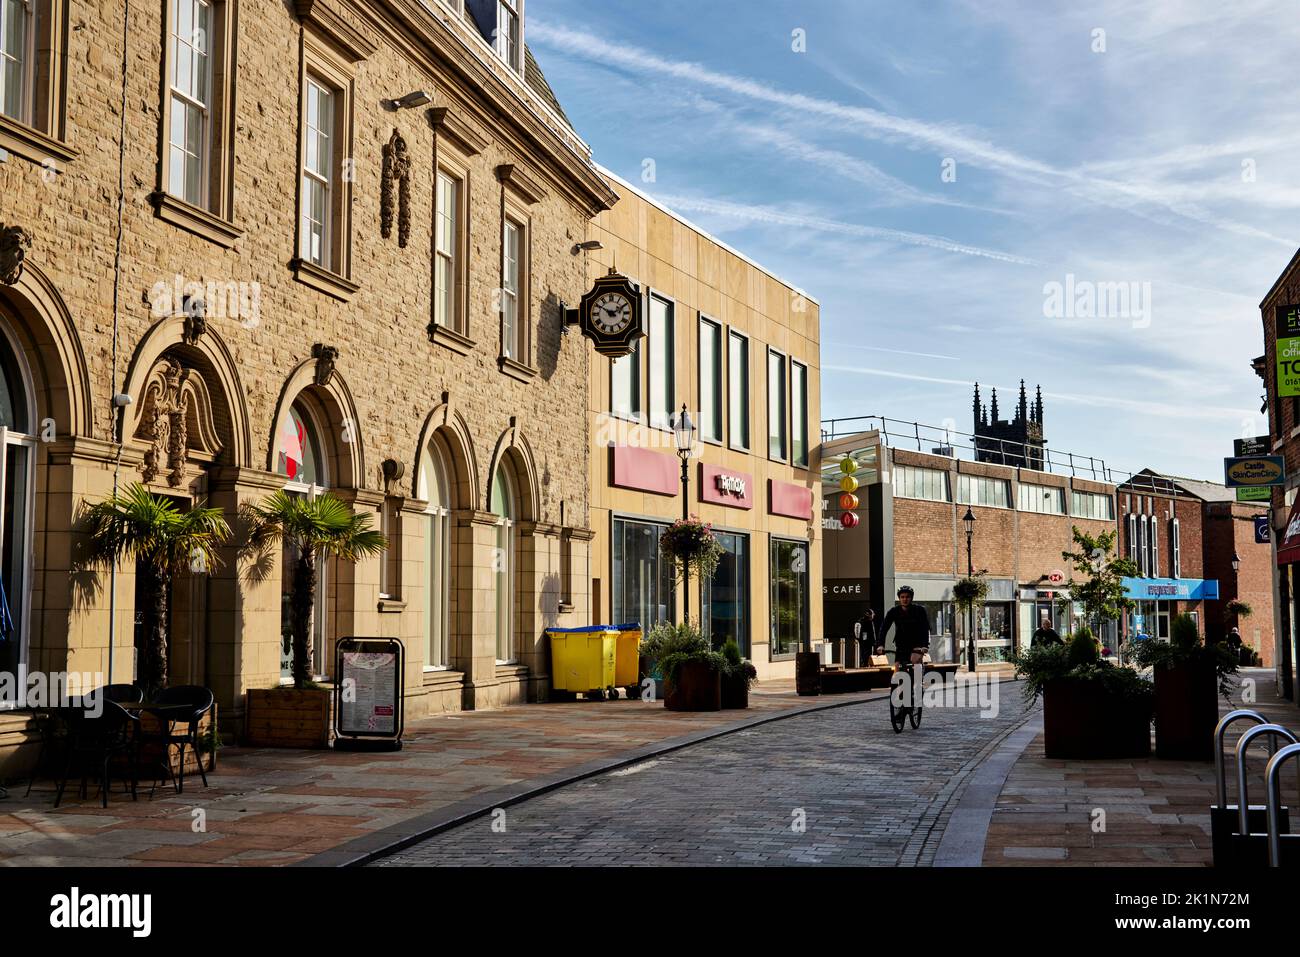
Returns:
(280,807)
(1156,811)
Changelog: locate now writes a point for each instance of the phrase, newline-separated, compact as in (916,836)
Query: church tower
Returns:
(1018,442)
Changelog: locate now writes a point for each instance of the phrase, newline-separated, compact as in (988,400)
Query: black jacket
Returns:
(1044,636)
(911,630)
(868,630)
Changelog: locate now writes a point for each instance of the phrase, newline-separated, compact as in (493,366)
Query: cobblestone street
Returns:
(864,796)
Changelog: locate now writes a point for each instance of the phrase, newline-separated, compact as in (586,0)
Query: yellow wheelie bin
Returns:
(627,663)
(582,661)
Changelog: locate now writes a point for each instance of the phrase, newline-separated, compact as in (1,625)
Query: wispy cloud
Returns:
(1143,407)
(768,214)
(946,139)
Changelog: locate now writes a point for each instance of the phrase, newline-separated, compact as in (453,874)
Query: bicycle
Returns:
(900,715)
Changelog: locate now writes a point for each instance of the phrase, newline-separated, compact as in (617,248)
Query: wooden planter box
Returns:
(1081,720)
(1187,711)
(735,692)
(698,688)
(288,718)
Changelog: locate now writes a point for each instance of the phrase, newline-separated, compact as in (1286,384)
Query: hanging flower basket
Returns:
(970,592)
(691,545)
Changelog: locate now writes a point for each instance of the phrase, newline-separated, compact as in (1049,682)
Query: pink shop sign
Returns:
(725,487)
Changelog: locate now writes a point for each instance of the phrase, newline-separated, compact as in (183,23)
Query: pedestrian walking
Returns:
(1045,634)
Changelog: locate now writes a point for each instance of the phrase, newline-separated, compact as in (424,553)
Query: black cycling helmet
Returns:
(908,589)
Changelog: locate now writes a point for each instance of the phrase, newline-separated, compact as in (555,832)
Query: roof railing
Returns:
(940,440)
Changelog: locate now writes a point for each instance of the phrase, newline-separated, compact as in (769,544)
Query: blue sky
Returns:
(1166,160)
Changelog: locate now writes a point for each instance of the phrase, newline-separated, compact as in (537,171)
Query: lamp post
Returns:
(1236,567)
(969,520)
(684,433)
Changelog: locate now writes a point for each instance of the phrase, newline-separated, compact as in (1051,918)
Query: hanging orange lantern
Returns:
(849,519)
(848,501)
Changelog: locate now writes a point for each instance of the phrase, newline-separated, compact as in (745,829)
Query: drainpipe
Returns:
(118,413)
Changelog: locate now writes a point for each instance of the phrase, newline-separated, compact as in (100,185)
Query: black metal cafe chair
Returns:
(179,710)
(52,725)
(95,737)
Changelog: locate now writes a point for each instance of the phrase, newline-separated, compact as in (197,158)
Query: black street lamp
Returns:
(969,520)
(1236,563)
(684,434)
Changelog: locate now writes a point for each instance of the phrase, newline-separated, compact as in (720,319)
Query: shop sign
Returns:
(1171,589)
(844,589)
(1262,493)
(1056,577)
(1255,471)
(1287,348)
(1254,446)
(1261,530)
(722,487)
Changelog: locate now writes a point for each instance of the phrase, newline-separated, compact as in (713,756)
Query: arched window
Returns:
(17,454)
(298,458)
(434,490)
(503,563)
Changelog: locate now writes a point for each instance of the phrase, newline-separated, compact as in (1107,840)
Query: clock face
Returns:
(611,313)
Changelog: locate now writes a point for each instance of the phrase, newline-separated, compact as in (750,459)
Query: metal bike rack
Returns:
(1223,816)
(1250,847)
(1277,840)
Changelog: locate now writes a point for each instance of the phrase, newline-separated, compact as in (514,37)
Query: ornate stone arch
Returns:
(322,387)
(51,350)
(206,395)
(448,424)
(513,450)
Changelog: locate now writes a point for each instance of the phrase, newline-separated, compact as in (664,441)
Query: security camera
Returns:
(122,400)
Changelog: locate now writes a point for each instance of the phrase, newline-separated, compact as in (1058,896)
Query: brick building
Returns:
(911,532)
(1183,535)
(740,349)
(1280,317)
(321,245)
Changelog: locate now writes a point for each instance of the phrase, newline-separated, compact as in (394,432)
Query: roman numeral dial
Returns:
(611,313)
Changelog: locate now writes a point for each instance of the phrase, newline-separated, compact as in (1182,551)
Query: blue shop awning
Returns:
(1171,589)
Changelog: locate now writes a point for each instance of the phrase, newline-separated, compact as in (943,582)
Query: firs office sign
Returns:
(1288,350)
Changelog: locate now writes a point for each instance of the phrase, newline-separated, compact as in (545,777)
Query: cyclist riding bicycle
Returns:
(911,627)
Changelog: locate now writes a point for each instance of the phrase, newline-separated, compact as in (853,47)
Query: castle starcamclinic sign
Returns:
(1254,471)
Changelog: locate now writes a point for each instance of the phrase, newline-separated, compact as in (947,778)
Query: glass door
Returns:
(15,546)
(725,597)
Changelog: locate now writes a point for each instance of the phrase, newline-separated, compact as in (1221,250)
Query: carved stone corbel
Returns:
(14,245)
(326,357)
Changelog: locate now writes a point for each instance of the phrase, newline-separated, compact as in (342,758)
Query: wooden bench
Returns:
(836,680)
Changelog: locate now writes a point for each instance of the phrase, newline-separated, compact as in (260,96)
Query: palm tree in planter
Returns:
(164,542)
(314,528)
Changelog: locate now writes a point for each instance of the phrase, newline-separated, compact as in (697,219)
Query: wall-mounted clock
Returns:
(610,315)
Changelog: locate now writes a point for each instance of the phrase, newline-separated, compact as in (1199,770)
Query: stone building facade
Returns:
(321,245)
(739,348)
